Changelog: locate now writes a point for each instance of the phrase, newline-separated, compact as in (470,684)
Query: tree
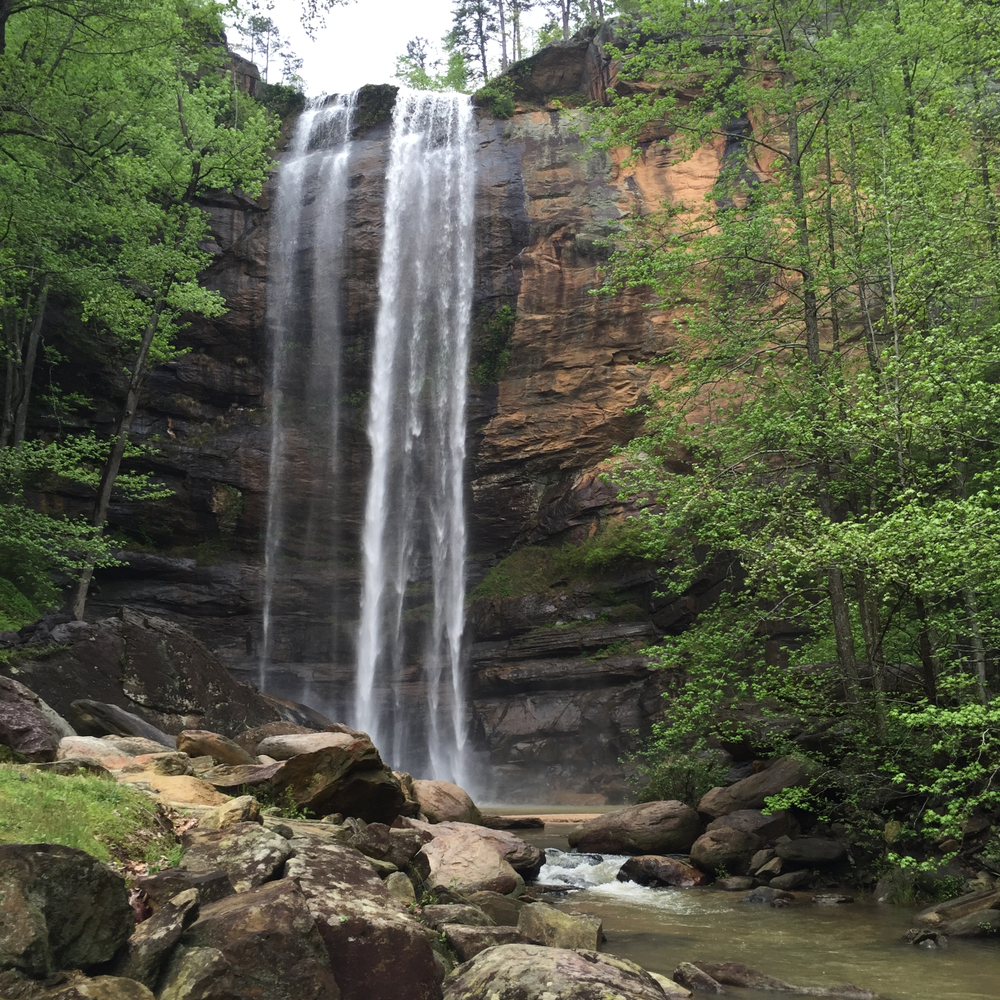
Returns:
(831,399)
(473,28)
(418,70)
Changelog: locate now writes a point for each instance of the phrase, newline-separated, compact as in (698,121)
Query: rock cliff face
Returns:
(554,700)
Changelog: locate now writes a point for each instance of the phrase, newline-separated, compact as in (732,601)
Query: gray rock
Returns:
(24,726)
(545,925)
(134,746)
(72,985)
(468,941)
(766,826)
(735,883)
(59,908)
(202,743)
(530,972)
(400,887)
(791,880)
(651,828)
(811,851)
(736,974)
(164,886)
(502,910)
(724,850)
(248,853)
(285,746)
(444,802)
(155,938)
(691,977)
(765,894)
(438,914)
(751,793)
(95,718)
(654,869)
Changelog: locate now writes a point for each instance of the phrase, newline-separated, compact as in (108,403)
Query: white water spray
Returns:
(414,527)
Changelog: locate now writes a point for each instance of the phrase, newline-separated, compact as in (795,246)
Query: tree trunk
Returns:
(503,36)
(565,19)
(111,467)
(927,642)
(873,647)
(21,414)
(6,9)
(7,417)
(976,636)
(844,635)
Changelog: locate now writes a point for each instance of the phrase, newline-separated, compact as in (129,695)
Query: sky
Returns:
(361,40)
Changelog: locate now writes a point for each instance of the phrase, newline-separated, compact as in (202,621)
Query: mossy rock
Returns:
(376,102)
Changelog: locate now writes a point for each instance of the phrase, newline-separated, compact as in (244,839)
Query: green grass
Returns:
(110,821)
(15,609)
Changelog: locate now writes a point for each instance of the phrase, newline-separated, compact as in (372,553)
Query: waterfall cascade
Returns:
(304,318)
(414,528)
(407,690)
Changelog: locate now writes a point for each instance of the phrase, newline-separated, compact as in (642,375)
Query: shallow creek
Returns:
(810,945)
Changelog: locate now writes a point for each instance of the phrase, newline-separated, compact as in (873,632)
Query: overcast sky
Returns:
(361,40)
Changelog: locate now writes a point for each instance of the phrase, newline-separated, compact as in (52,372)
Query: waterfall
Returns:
(304,309)
(414,535)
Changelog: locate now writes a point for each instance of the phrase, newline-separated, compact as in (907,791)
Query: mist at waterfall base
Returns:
(395,655)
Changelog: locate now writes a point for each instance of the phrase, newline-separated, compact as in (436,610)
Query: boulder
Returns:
(348,779)
(150,668)
(166,763)
(377,950)
(155,938)
(59,908)
(654,869)
(234,777)
(530,972)
(441,802)
(244,809)
(96,718)
(291,745)
(752,792)
(246,852)
(464,861)
(249,739)
(651,828)
(811,851)
(179,789)
(502,910)
(160,888)
(376,840)
(765,894)
(259,945)
(960,906)
(724,850)
(689,976)
(94,749)
(73,765)
(202,743)
(981,923)
(467,941)
(135,746)
(544,924)
(524,858)
(513,822)
(791,880)
(672,989)
(24,727)
(766,826)
(400,887)
(73,985)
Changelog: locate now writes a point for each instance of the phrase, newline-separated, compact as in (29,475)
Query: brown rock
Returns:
(180,789)
(501,909)
(369,937)
(689,976)
(135,746)
(544,924)
(811,851)
(768,827)
(651,828)
(246,852)
(751,793)
(250,738)
(154,938)
(159,763)
(291,745)
(72,985)
(530,972)
(467,942)
(350,779)
(455,913)
(94,748)
(201,743)
(653,869)
(245,809)
(24,727)
(259,945)
(442,802)
(59,908)
(232,777)
(952,909)
(724,850)
(164,886)
(466,862)
(524,858)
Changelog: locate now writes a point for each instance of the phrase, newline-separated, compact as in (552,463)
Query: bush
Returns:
(15,609)
(497,97)
(685,779)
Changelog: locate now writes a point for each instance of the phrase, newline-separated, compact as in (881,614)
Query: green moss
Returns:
(15,609)
(375,105)
(88,812)
(11,657)
(491,337)
(537,569)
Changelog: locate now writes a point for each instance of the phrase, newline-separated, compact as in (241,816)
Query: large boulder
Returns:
(72,985)
(752,792)
(467,942)
(377,950)
(767,826)
(524,858)
(92,748)
(724,850)
(531,972)
(248,853)
(656,870)
(24,726)
(155,938)
(465,861)
(289,745)
(250,738)
(147,666)
(260,945)
(651,828)
(811,851)
(201,743)
(544,924)
(59,909)
(96,718)
(443,802)
(349,779)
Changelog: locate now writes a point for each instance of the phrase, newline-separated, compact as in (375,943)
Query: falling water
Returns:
(414,528)
(304,320)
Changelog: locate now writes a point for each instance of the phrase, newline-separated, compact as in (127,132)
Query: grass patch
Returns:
(110,821)
(33,654)
(536,569)
(16,610)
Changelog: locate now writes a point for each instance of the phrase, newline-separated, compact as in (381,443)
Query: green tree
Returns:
(418,70)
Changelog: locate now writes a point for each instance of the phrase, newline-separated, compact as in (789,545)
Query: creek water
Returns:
(807,944)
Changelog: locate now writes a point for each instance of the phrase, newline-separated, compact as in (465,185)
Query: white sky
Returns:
(361,40)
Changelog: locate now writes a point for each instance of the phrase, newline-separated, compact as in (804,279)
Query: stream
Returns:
(858,943)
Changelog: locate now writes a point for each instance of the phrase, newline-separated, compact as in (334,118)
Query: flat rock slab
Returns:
(249,854)
(285,746)
(202,743)
(530,972)
(668,827)
(545,925)
(59,908)
(179,788)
